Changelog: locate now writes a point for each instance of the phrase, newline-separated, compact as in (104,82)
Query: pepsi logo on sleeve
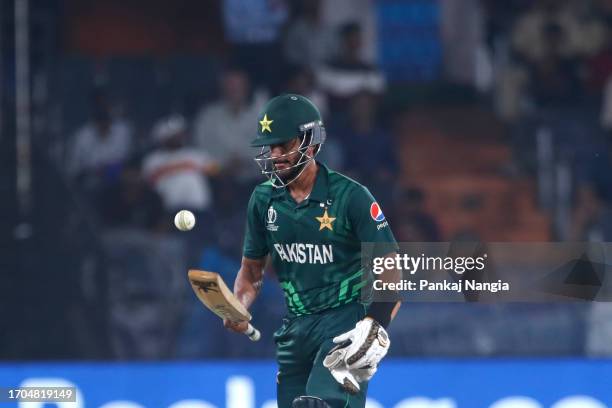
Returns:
(376,212)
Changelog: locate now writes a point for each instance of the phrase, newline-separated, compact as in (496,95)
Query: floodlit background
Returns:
(469,120)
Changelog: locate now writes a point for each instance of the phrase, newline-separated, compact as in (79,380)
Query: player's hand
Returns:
(365,345)
(239,327)
(344,377)
(364,374)
(357,354)
(349,379)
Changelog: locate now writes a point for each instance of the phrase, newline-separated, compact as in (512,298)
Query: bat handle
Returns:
(252,333)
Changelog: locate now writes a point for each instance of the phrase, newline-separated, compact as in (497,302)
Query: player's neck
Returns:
(301,188)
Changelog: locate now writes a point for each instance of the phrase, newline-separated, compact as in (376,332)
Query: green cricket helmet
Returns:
(283,119)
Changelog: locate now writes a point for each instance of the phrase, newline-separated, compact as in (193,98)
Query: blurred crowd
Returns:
(134,177)
(543,68)
(554,72)
(203,162)
(543,65)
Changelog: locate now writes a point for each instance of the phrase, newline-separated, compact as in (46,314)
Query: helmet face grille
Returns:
(315,136)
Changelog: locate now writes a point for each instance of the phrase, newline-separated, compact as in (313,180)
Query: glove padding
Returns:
(364,374)
(357,354)
(369,343)
(348,381)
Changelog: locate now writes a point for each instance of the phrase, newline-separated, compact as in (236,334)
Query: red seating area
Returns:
(134,27)
(457,157)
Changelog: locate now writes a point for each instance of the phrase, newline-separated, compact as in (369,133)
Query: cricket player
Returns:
(311,221)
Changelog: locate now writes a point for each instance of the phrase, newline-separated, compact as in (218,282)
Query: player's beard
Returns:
(288,175)
(291,173)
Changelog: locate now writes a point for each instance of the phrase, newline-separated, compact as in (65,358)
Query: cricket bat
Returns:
(214,293)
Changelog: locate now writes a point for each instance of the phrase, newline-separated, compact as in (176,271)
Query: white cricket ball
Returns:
(184,220)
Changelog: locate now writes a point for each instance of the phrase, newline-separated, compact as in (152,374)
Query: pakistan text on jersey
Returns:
(305,253)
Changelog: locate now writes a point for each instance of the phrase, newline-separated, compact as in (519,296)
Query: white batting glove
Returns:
(355,359)
(369,343)
(364,374)
(334,362)
(348,381)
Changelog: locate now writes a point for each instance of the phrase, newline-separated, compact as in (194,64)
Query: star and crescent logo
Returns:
(326,221)
(265,124)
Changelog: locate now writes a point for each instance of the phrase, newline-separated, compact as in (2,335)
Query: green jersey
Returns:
(315,245)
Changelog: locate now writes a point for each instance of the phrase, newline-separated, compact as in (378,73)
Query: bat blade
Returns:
(210,288)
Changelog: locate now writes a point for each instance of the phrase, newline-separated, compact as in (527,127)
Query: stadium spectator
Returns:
(415,224)
(348,73)
(132,203)
(599,66)
(551,41)
(300,79)
(591,218)
(177,172)
(367,147)
(308,40)
(254,21)
(99,148)
(554,78)
(225,127)
(580,32)
(462,27)
(338,12)
(253,27)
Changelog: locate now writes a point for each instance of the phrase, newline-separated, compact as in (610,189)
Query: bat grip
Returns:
(252,333)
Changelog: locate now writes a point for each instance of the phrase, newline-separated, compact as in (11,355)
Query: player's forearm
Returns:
(246,292)
(385,312)
(249,281)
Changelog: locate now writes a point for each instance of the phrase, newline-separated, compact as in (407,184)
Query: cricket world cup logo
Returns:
(271,219)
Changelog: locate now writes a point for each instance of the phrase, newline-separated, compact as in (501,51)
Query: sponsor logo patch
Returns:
(376,212)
